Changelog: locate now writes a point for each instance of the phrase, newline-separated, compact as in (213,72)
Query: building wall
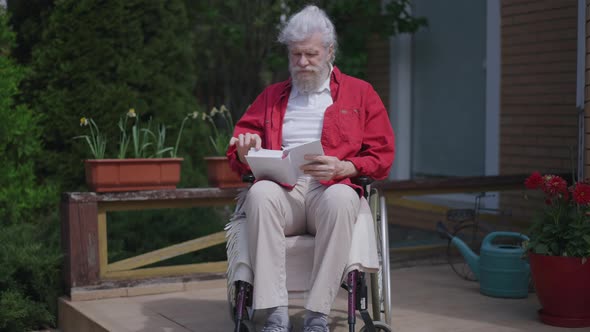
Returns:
(587,96)
(538,117)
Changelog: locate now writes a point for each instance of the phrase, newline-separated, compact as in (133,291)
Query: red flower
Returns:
(534,181)
(581,193)
(554,185)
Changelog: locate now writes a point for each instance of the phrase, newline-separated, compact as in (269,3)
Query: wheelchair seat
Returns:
(363,252)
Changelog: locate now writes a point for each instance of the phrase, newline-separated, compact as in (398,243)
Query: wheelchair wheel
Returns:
(247,326)
(379,327)
(381,282)
(231,301)
(472,234)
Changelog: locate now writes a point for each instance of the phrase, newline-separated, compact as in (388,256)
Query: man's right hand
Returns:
(243,144)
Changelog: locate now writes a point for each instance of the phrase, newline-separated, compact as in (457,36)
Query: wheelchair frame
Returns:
(355,283)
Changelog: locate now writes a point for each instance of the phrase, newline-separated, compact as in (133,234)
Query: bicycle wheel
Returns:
(472,234)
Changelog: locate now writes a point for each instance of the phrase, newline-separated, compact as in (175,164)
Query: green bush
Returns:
(29,251)
(29,278)
(100,58)
(21,197)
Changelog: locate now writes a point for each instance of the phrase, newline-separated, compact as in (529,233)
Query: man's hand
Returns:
(244,142)
(327,168)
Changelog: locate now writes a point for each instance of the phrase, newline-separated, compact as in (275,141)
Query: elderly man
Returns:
(318,102)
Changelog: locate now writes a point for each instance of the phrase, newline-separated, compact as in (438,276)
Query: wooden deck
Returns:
(425,299)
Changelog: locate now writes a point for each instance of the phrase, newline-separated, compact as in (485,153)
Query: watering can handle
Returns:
(490,237)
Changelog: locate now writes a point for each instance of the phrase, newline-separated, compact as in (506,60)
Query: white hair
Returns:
(305,23)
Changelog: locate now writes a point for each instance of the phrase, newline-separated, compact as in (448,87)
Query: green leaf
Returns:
(541,249)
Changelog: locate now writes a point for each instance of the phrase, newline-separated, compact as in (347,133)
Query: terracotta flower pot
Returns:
(111,175)
(563,288)
(220,175)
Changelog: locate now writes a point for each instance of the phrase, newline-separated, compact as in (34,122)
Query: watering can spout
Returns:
(471,257)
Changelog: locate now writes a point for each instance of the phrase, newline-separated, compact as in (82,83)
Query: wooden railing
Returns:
(84,234)
(84,225)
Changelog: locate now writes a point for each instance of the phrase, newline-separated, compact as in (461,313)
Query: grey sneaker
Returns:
(316,328)
(276,328)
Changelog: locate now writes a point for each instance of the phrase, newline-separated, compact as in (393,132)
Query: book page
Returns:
(278,154)
(281,166)
(297,154)
(271,165)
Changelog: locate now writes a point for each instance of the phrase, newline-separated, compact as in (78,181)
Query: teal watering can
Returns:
(500,268)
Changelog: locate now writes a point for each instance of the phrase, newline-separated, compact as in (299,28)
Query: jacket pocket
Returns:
(350,125)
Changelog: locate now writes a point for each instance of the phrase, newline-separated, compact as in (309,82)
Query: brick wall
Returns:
(538,117)
(378,67)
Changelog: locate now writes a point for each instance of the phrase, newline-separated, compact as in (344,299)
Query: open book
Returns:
(281,166)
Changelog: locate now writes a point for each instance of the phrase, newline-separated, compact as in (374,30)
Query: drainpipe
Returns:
(580,85)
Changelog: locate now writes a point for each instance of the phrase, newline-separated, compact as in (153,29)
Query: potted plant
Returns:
(559,248)
(152,165)
(219,174)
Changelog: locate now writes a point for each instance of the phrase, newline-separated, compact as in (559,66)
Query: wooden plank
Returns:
(419,205)
(80,228)
(411,218)
(556,15)
(168,252)
(451,185)
(423,215)
(66,242)
(534,7)
(165,204)
(166,271)
(540,58)
(540,89)
(540,100)
(417,248)
(536,69)
(103,249)
(155,195)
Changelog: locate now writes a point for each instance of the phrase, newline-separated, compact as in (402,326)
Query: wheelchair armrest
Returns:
(363,180)
(248,178)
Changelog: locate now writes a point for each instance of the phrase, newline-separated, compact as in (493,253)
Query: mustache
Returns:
(308,69)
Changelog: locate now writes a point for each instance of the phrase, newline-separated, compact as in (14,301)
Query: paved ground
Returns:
(426,299)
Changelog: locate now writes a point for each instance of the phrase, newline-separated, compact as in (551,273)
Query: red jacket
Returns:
(356,126)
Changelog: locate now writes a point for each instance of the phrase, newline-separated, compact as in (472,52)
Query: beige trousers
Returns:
(273,213)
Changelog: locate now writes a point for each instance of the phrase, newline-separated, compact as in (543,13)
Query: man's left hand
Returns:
(325,168)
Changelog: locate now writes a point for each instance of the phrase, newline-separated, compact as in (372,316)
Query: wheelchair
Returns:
(355,283)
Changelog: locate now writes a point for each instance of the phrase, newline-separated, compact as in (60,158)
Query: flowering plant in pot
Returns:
(219,174)
(152,164)
(559,249)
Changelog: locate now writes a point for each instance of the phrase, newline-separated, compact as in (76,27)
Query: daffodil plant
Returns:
(97,142)
(222,126)
(145,142)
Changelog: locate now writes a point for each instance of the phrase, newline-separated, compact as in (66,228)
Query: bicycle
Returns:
(466,225)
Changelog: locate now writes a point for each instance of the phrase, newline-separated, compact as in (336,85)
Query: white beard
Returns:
(310,82)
